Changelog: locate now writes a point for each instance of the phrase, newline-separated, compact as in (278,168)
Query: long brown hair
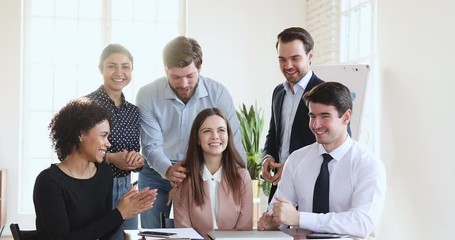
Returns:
(230,160)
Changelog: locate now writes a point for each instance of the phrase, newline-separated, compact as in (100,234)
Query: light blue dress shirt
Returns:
(166,121)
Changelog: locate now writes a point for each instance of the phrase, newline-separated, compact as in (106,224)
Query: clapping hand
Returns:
(135,202)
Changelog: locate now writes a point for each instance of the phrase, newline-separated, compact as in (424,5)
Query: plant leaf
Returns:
(251,125)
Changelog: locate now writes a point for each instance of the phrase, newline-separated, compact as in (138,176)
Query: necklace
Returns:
(71,173)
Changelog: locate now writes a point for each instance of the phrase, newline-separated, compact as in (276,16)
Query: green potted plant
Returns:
(251,125)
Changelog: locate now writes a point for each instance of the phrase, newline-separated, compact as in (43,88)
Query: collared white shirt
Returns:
(357,188)
(214,182)
(288,109)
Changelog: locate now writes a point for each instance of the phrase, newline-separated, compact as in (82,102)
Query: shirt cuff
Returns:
(307,220)
(266,156)
(162,168)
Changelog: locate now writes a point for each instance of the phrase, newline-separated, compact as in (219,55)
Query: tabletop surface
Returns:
(296,233)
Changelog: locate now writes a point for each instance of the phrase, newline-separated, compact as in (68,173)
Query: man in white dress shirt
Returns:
(357,178)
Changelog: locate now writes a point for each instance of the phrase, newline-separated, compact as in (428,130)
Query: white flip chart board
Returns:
(355,77)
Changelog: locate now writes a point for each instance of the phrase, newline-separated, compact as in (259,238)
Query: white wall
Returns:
(10,25)
(416,51)
(238,41)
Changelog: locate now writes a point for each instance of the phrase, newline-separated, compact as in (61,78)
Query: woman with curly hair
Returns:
(217,194)
(73,199)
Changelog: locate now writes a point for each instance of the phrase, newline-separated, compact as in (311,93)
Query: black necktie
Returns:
(321,187)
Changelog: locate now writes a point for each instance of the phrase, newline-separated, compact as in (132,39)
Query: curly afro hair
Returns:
(78,116)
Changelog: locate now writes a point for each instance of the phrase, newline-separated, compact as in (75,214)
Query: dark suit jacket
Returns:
(301,134)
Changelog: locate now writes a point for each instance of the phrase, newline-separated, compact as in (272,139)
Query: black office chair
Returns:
(165,221)
(22,234)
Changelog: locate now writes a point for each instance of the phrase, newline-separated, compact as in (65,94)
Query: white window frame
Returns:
(350,53)
(144,72)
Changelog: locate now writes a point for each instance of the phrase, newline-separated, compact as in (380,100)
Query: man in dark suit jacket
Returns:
(295,53)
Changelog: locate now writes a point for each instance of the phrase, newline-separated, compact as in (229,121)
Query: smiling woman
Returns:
(116,67)
(73,199)
(217,193)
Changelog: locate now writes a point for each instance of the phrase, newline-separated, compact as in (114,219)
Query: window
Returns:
(344,33)
(62,44)
(356,31)
(357,46)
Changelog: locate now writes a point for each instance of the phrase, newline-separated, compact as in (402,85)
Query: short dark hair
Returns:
(293,33)
(181,52)
(78,116)
(331,93)
(114,48)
